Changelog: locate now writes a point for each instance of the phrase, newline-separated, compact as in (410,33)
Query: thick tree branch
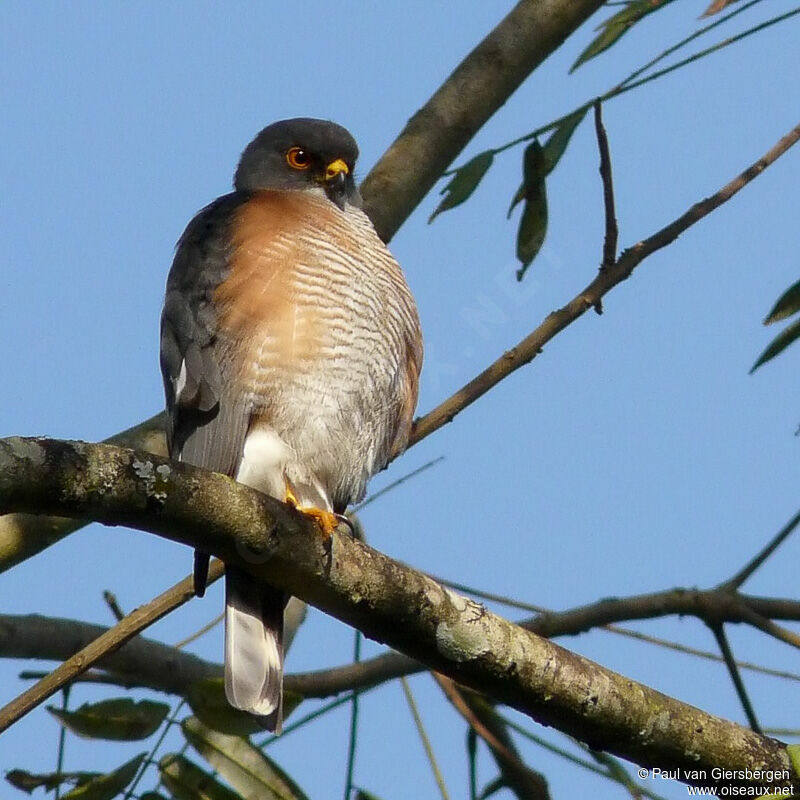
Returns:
(430,141)
(147,662)
(386,600)
(24,535)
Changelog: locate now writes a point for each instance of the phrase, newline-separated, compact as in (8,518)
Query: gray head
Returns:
(301,153)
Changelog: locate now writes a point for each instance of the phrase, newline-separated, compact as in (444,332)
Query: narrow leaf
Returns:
(472,749)
(28,781)
(120,719)
(363,794)
(186,781)
(105,787)
(492,788)
(533,223)
(463,183)
(778,344)
(788,304)
(242,765)
(207,700)
(615,26)
(555,146)
(716,7)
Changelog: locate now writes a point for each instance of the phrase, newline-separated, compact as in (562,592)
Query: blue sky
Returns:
(634,455)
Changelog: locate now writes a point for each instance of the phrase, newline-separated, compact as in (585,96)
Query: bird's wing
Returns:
(207,420)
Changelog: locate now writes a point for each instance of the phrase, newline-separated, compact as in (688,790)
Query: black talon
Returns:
(347,521)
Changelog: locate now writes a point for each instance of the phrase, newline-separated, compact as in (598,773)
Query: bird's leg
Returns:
(326,521)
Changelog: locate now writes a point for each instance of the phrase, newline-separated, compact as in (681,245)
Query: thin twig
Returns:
(394,484)
(310,717)
(111,602)
(168,723)
(426,742)
(62,740)
(111,640)
(740,577)
(353,740)
(782,732)
(201,632)
(612,230)
(526,783)
(670,50)
(627,87)
(454,695)
(770,628)
(532,345)
(565,754)
(694,651)
(736,678)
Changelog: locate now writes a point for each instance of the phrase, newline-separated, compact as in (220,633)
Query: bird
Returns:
(290,352)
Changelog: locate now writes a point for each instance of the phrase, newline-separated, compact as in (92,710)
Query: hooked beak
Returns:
(336,173)
(335,177)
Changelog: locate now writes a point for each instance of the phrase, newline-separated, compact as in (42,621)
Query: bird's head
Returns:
(301,153)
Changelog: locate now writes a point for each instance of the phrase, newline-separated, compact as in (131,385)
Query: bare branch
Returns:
(113,605)
(612,231)
(590,297)
(736,678)
(740,577)
(383,598)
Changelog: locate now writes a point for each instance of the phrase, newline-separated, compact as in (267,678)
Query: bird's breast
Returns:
(315,309)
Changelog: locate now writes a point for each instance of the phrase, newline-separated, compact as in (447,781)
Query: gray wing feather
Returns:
(207,422)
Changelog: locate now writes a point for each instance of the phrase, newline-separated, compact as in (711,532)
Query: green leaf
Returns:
(533,223)
(472,749)
(615,26)
(152,796)
(778,344)
(463,183)
(242,765)
(555,146)
(363,794)
(186,781)
(788,304)
(207,700)
(28,781)
(120,719)
(105,787)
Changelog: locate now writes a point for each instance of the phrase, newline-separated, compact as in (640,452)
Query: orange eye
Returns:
(298,158)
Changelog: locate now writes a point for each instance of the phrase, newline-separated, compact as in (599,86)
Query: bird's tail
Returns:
(254,647)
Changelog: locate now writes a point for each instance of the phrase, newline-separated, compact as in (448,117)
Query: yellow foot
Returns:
(326,521)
